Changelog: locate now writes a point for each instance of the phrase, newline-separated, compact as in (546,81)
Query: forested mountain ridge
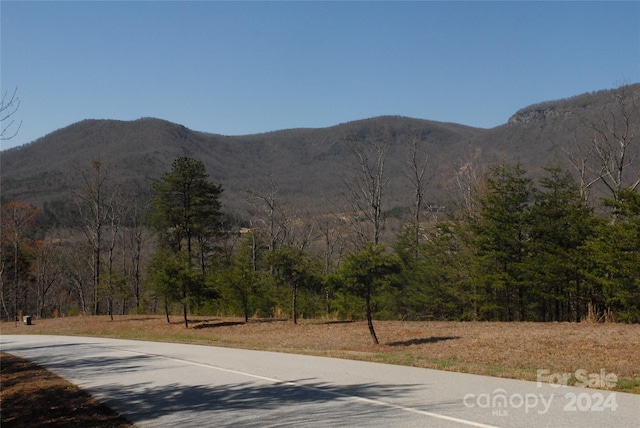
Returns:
(542,224)
(308,165)
(305,163)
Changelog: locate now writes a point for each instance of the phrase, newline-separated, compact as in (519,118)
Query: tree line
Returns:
(526,250)
(564,246)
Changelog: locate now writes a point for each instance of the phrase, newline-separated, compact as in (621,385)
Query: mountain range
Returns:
(307,167)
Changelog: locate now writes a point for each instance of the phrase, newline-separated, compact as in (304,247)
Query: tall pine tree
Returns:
(185,209)
(560,224)
(501,236)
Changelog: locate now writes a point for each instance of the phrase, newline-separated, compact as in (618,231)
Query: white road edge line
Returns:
(298,385)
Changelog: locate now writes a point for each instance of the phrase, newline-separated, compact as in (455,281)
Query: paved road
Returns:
(164,385)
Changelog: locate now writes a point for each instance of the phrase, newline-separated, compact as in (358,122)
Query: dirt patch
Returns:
(513,350)
(34,397)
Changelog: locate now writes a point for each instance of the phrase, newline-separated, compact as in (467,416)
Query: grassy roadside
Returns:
(510,350)
(34,397)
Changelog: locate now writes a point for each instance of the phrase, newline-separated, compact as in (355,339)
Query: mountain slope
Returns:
(305,163)
(308,165)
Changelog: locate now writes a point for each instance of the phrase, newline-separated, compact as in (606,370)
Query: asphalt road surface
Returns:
(164,385)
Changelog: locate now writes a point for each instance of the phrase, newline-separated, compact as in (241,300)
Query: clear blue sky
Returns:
(247,67)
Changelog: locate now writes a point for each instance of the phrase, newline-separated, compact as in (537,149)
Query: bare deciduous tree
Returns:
(9,105)
(80,273)
(614,137)
(581,156)
(48,272)
(366,187)
(607,156)
(17,221)
(90,201)
(465,182)
(417,164)
(115,213)
(276,217)
(133,240)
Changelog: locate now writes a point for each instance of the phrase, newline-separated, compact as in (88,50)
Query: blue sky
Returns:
(247,67)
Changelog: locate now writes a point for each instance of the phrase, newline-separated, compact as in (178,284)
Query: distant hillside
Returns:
(307,164)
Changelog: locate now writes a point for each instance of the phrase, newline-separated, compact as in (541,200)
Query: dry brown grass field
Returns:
(34,397)
(513,350)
